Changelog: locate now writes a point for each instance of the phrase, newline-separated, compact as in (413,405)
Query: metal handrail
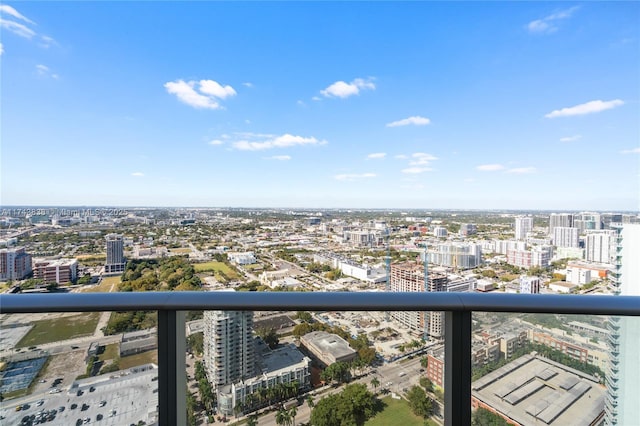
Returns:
(320,301)
(458,309)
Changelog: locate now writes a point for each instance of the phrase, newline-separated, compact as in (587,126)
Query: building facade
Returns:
(523,225)
(15,264)
(456,255)
(623,374)
(600,246)
(229,347)
(410,277)
(565,237)
(59,271)
(115,254)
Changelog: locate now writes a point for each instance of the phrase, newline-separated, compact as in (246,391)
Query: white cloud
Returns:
(352,177)
(571,138)
(341,89)
(416,170)
(469,180)
(279,157)
(316,98)
(631,151)
(490,167)
(401,157)
(270,141)
(216,90)
(247,84)
(4,8)
(215,142)
(547,24)
(416,120)
(300,103)
(421,159)
(47,41)
(137,174)
(522,170)
(586,108)
(203,94)
(376,155)
(17,28)
(1,49)
(44,71)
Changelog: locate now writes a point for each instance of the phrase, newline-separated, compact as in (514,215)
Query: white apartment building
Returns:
(228,346)
(565,237)
(560,219)
(600,246)
(503,246)
(529,285)
(537,256)
(523,226)
(245,258)
(623,374)
(440,231)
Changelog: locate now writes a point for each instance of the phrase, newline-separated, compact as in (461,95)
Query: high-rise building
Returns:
(115,254)
(560,219)
(565,237)
(529,285)
(15,264)
(468,229)
(600,246)
(523,225)
(410,277)
(229,347)
(622,404)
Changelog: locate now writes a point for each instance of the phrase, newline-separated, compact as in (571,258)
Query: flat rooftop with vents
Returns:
(535,390)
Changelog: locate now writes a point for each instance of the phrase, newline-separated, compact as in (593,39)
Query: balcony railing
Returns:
(458,308)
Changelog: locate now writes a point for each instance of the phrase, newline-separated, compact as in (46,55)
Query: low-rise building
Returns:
(245,258)
(328,348)
(59,271)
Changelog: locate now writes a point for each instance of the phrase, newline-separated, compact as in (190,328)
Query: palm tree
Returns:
(292,413)
(282,417)
(424,362)
(310,402)
(375,382)
(252,420)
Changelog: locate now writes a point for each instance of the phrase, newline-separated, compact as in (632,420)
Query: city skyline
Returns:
(483,106)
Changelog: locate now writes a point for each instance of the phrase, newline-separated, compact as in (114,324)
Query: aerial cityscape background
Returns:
(363,147)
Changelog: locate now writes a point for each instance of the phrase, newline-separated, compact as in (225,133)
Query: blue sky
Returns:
(524,105)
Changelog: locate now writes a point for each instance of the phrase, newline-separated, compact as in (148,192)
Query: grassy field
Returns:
(104,286)
(138,359)
(396,412)
(183,250)
(110,352)
(216,267)
(47,331)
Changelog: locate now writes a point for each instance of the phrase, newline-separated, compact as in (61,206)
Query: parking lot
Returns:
(121,399)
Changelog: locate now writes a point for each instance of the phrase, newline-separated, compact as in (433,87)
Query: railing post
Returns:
(172,380)
(457,368)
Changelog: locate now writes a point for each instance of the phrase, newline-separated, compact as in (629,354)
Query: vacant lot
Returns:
(108,284)
(110,352)
(396,412)
(53,330)
(139,359)
(217,267)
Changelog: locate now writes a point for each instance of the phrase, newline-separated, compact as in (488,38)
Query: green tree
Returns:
(484,417)
(252,420)
(293,411)
(419,402)
(269,335)
(283,417)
